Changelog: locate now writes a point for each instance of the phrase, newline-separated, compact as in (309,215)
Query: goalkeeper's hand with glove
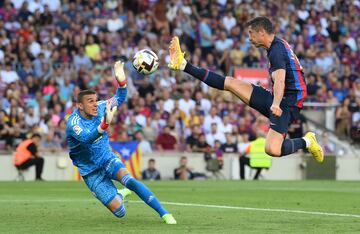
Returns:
(120,74)
(109,114)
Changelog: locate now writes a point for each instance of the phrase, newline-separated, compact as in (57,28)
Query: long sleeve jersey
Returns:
(89,149)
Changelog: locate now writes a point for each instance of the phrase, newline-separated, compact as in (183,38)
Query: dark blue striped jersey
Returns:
(89,149)
(282,57)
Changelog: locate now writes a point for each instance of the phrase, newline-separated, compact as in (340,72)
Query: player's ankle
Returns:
(183,65)
(307,142)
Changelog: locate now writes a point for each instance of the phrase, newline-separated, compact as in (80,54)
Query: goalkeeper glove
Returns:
(120,74)
(109,114)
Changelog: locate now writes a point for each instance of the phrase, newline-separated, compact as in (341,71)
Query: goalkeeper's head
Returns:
(87,103)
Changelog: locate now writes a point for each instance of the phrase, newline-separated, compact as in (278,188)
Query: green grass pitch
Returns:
(198,206)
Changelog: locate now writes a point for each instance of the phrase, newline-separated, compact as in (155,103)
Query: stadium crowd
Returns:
(51,49)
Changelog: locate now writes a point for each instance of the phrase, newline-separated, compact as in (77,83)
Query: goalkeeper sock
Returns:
(290,146)
(208,77)
(144,193)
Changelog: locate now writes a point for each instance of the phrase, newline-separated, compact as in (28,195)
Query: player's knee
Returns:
(120,212)
(273,150)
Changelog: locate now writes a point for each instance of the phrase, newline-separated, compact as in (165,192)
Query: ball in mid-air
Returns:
(145,61)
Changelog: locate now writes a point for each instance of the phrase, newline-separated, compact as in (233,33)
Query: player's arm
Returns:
(121,91)
(279,86)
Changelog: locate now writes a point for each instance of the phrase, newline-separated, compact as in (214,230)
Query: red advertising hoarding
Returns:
(253,75)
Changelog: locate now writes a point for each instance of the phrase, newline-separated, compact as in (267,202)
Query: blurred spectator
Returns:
(145,145)
(166,141)
(206,35)
(114,23)
(193,139)
(342,118)
(326,144)
(212,118)
(9,75)
(186,103)
(183,172)
(215,134)
(229,146)
(82,59)
(151,173)
(50,143)
(251,60)
(202,145)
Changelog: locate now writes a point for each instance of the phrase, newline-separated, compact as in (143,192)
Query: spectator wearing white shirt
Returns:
(223,43)
(229,21)
(35,5)
(226,126)
(169,104)
(31,118)
(114,23)
(205,103)
(53,4)
(144,144)
(34,46)
(214,135)
(210,119)
(303,13)
(186,103)
(9,75)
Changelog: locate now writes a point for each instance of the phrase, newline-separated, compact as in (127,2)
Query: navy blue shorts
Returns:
(261,100)
(100,181)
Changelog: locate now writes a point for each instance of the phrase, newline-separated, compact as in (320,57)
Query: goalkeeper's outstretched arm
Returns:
(121,91)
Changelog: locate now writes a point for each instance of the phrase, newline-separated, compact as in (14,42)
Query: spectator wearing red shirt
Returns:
(166,141)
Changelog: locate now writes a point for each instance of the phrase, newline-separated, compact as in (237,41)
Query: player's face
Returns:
(89,105)
(255,37)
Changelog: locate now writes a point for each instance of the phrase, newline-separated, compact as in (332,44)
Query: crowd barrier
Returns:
(58,167)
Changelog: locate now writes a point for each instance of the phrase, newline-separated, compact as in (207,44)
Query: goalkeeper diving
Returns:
(90,151)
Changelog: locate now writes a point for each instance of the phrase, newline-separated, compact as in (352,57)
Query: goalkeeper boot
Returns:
(124,192)
(314,148)
(169,219)
(177,60)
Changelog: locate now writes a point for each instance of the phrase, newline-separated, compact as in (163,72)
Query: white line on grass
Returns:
(196,205)
(258,209)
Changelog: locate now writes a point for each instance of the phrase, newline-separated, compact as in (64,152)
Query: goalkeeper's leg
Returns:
(144,193)
(241,89)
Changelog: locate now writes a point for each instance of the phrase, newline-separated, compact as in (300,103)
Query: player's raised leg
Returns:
(145,194)
(241,89)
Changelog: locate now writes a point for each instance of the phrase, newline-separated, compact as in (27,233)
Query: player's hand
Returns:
(119,73)
(109,114)
(276,110)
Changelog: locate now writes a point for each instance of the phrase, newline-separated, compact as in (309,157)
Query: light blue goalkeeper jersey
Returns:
(89,149)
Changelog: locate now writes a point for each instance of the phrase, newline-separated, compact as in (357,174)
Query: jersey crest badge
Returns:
(77,129)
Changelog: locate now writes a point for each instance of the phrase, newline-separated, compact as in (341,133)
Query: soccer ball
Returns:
(145,61)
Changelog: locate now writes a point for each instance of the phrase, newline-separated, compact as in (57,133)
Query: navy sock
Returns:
(290,146)
(208,77)
(144,193)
